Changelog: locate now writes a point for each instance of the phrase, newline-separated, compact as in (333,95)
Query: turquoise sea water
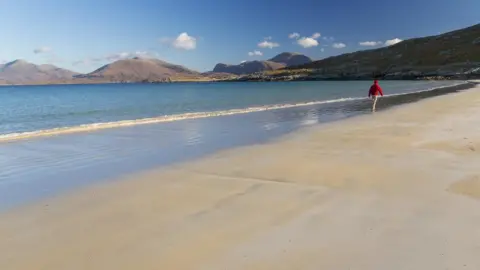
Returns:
(39,166)
(38,108)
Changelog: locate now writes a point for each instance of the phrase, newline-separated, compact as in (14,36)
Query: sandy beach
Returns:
(398,189)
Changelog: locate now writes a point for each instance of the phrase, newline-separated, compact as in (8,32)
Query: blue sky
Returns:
(84,35)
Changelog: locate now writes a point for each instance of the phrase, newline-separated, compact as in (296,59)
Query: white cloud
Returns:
(48,55)
(322,49)
(42,50)
(268,44)
(268,38)
(316,35)
(370,43)
(392,41)
(339,45)
(243,61)
(182,42)
(89,61)
(307,42)
(294,35)
(116,56)
(328,38)
(127,55)
(254,53)
(185,42)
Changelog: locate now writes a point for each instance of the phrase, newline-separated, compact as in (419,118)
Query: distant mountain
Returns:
(23,72)
(291,59)
(140,70)
(449,55)
(456,51)
(280,61)
(247,67)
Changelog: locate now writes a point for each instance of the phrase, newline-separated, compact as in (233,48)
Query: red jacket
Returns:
(375,89)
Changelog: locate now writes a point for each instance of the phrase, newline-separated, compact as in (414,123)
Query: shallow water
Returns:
(35,109)
(44,166)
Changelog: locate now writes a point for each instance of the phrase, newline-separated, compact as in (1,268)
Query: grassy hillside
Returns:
(456,51)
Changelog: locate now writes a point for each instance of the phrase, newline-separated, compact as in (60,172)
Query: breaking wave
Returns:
(183,116)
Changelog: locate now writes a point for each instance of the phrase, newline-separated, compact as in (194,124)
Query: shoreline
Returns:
(68,157)
(398,189)
(246,80)
(313,78)
(11,137)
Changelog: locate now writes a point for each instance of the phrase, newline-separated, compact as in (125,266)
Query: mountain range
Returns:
(21,72)
(126,70)
(452,55)
(282,60)
(449,53)
(138,70)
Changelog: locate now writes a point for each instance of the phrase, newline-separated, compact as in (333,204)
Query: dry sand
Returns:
(395,190)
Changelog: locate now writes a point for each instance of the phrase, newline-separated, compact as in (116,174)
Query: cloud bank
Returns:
(42,50)
(115,57)
(255,53)
(268,44)
(370,43)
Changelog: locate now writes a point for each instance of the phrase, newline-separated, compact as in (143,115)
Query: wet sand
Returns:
(398,189)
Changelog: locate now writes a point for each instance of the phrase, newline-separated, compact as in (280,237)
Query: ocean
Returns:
(36,109)
(56,138)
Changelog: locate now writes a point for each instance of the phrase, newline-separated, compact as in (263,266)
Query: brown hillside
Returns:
(138,69)
(23,72)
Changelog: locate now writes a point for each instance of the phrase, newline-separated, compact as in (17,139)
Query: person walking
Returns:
(374,91)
